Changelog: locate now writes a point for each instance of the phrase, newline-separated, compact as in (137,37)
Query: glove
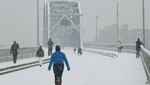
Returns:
(68,69)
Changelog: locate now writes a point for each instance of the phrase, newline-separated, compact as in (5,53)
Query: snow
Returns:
(145,50)
(87,69)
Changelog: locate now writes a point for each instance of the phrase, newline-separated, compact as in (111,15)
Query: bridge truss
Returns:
(62,23)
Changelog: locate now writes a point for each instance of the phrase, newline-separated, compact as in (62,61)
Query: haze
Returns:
(18,18)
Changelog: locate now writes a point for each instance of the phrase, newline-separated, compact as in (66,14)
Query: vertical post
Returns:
(48,21)
(37,22)
(117,23)
(143,23)
(96,27)
(81,29)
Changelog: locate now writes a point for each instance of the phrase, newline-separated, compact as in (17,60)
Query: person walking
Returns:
(40,55)
(119,46)
(50,44)
(14,51)
(138,48)
(80,51)
(75,50)
(57,59)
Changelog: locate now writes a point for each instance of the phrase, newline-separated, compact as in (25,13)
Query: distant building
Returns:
(108,34)
(126,36)
(123,34)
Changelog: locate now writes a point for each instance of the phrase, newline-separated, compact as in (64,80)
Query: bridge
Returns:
(98,65)
(63,23)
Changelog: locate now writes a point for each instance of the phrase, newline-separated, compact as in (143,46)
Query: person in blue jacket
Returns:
(58,59)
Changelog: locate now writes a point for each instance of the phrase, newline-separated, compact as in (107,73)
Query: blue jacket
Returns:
(58,58)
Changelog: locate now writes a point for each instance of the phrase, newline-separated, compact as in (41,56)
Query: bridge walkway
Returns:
(87,69)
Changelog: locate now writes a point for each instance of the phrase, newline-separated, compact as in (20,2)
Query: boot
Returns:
(58,82)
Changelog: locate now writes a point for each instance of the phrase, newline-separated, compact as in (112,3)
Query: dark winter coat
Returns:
(138,43)
(14,49)
(50,42)
(79,50)
(40,53)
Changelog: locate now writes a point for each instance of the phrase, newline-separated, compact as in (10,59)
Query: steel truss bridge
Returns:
(62,23)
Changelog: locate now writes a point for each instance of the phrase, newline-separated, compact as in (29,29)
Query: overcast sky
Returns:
(18,18)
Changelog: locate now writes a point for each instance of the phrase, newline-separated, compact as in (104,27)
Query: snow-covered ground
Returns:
(87,69)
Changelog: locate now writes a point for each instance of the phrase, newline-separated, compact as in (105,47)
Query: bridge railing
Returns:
(22,53)
(112,46)
(145,56)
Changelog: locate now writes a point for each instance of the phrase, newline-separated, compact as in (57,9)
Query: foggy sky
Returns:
(18,18)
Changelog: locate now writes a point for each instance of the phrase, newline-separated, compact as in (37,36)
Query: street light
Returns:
(96,27)
(143,24)
(117,23)
(37,22)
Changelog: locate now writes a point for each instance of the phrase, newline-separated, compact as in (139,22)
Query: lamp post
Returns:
(96,27)
(143,23)
(117,23)
(37,22)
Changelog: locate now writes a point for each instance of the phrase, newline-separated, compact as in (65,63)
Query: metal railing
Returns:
(22,53)
(145,57)
(21,66)
(144,54)
(126,47)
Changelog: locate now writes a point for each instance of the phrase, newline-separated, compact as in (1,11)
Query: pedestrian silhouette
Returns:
(14,51)
(120,47)
(74,50)
(138,48)
(50,44)
(40,55)
(80,51)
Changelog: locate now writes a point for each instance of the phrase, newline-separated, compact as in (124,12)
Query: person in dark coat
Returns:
(50,44)
(14,51)
(58,59)
(138,48)
(40,55)
(75,50)
(80,51)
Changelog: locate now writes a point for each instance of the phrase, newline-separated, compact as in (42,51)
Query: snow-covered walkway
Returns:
(87,69)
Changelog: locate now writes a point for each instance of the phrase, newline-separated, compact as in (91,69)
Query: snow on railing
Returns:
(14,68)
(145,56)
(110,46)
(144,53)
